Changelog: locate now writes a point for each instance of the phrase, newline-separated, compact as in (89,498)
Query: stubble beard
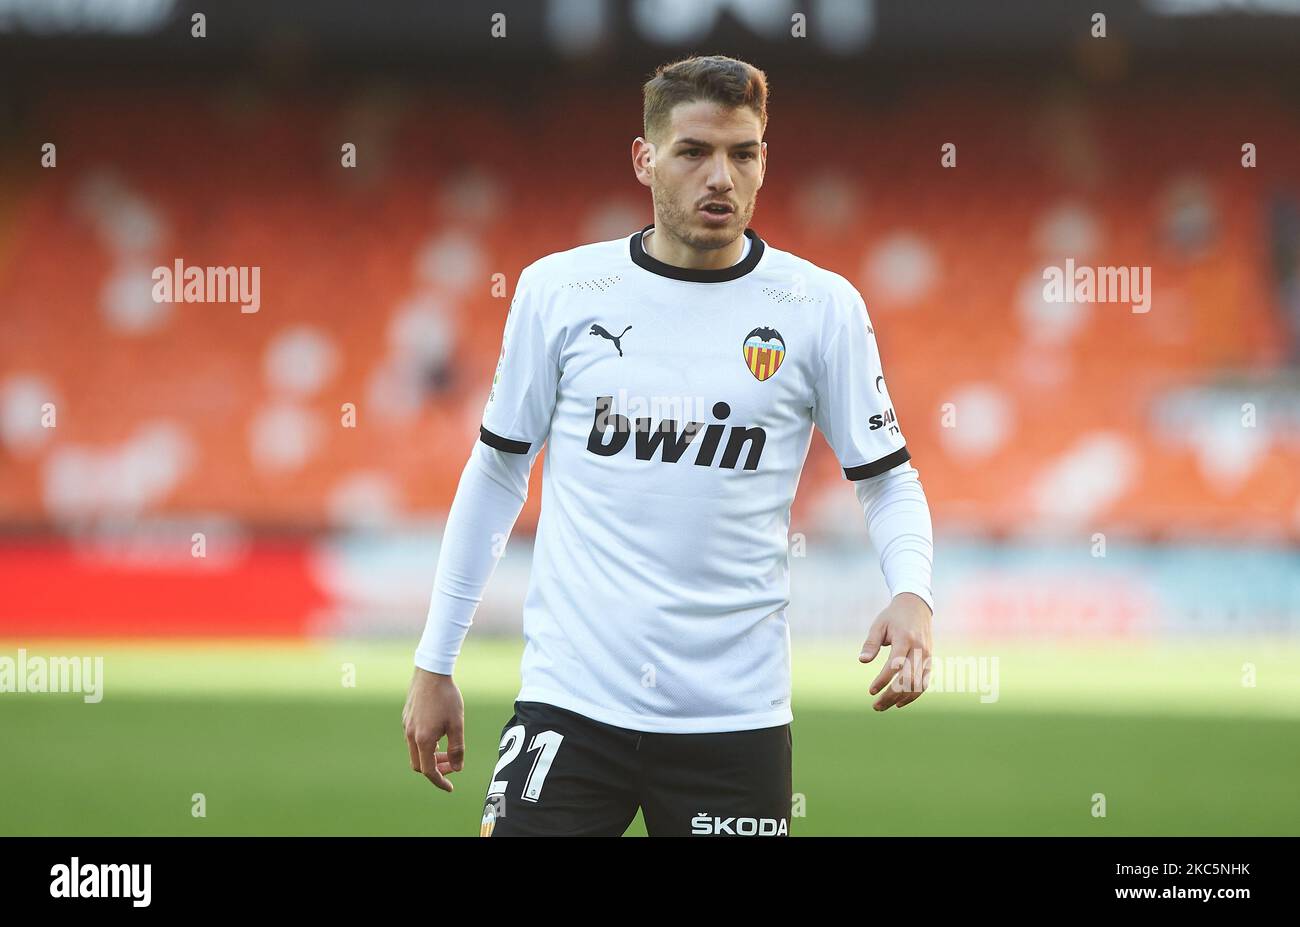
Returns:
(678,222)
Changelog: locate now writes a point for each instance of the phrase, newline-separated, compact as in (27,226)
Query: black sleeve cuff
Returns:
(888,462)
(502,444)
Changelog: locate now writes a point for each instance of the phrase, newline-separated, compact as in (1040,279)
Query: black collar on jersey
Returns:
(736,271)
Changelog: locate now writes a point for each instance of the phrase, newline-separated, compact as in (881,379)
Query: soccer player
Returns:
(675,376)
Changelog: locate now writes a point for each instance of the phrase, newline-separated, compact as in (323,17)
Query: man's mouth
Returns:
(717,209)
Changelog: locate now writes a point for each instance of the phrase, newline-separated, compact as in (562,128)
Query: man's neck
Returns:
(678,254)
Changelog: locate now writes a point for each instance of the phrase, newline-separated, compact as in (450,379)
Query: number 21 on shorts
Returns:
(545,744)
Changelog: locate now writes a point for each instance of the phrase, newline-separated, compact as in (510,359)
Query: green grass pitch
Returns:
(277,744)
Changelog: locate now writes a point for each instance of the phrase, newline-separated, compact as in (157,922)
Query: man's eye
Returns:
(745,155)
(691,152)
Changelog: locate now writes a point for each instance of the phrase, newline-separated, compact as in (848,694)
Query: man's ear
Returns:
(643,159)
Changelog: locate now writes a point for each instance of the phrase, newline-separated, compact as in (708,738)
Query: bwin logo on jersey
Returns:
(704,823)
(665,438)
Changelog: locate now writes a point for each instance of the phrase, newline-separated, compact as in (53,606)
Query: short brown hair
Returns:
(716,78)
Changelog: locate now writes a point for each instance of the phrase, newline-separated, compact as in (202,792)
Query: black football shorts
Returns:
(560,773)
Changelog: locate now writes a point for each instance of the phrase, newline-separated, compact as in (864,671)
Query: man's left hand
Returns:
(905,626)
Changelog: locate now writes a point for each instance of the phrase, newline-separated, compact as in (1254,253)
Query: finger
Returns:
(926,668)
(429,763)
(456,742)
(888,699)
(895,691)
(900,686)
(415,753)
(444,763)
(914,686)
(901,683)
(871,646)
(438,779)
(892,666)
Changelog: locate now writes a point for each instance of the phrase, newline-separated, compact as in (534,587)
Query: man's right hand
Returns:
(433,709)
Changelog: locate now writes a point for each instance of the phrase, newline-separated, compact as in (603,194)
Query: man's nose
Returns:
(720,174)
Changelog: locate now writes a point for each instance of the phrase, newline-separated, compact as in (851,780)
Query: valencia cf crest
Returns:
(764,352)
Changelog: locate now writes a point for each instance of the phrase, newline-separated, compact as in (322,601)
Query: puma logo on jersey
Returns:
(617,339)
(610,433)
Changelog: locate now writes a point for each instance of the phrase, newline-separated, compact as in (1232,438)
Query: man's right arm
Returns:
(494,484)
(492,491)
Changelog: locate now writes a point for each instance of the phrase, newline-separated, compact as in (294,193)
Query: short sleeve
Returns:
(852,405)
(517,416)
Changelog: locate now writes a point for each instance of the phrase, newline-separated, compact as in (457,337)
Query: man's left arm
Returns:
(898,520)
(853,409)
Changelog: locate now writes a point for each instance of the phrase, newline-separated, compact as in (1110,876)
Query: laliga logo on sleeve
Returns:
(764,350)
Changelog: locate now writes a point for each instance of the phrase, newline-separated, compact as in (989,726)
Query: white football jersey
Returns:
(677,407)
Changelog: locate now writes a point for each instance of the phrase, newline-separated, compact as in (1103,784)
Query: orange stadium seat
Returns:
(176,410)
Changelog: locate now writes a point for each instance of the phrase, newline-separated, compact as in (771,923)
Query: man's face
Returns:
(708,154)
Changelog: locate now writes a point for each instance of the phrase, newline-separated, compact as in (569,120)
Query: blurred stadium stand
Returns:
(377,290)
(1026,419)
